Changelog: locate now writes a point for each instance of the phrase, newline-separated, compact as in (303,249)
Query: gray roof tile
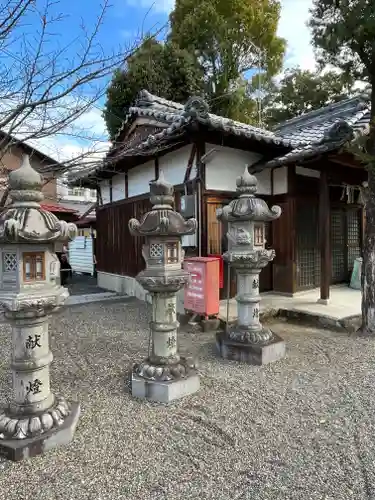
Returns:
(325,129)
(313,133)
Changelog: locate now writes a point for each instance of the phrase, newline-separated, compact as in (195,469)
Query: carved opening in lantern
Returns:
(172,253)
(33,266)
(10,263)
(258,234)
(156,250)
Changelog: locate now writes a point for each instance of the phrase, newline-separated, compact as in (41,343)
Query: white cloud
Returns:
(164,6)
(292,27)
(87,140)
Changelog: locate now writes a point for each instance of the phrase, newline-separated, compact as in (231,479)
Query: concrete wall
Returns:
(130,286)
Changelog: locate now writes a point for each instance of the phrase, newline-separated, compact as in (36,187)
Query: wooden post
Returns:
(324,238)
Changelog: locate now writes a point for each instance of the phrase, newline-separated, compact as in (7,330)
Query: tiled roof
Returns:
(177,116)
(325,129)
(304,137)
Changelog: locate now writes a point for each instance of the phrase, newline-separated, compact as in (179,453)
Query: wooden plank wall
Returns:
(117,251)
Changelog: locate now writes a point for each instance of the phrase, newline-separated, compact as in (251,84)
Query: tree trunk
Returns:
(368,265)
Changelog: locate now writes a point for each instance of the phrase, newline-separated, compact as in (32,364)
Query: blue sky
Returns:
(125,21)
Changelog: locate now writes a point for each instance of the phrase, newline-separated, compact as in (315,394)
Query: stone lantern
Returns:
(165,375)
(35,420)
(248,340)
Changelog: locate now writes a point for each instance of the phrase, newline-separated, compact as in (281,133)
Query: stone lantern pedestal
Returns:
(164,375)
(36,420)
(248,340)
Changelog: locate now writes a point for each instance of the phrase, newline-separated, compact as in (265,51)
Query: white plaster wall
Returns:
(105,191)
(118,187)
(224,165)
(139,178)
(264,181)
(174,165)
(280,180)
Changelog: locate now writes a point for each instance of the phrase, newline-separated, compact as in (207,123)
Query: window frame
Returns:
(33,256)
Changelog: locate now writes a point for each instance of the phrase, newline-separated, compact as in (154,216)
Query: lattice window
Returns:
(156,250)
(33,266)
(338,246)
(308,256)
(9,262)
(354,237)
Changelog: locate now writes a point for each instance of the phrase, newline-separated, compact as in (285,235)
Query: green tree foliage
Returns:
(161,68)
(226,36)
(344,35)
(300,91)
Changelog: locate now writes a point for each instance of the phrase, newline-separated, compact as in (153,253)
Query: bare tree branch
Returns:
(45,88)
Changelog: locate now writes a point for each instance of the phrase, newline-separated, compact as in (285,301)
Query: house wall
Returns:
(225,164)
(174,165)
(139,178)
(119,255)
(105,191)
(118,187)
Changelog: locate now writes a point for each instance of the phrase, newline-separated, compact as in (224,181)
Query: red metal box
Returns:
(202,293)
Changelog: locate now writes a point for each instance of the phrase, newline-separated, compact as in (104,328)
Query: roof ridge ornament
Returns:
(196,107)
(338,131)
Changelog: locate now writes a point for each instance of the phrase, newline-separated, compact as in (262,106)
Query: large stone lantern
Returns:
(248,340)
(35,420)
(165,375)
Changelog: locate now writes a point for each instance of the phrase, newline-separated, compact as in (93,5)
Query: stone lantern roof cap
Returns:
(25,178)
(246,207)
(162,219)
(161,191)
(24,220)
(246,183)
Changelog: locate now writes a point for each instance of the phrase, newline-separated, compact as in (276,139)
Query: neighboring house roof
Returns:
(55,208)
(49,165)
(326,129)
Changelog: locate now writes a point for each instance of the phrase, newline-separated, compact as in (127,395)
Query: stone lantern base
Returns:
(19,449)
(164,392)
(164,383)
(254,354)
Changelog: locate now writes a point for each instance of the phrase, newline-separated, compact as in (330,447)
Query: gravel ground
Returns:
(302,428)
